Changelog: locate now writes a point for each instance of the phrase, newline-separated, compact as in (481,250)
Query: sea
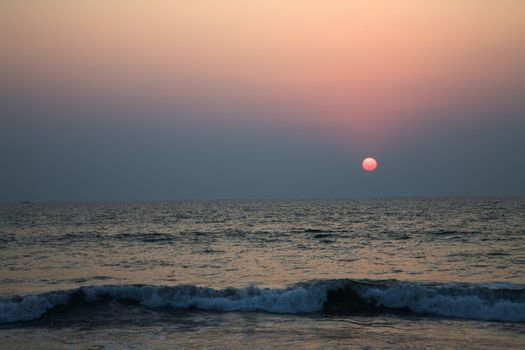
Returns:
(424,273)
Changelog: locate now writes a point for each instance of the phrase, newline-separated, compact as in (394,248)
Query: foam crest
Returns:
(472,302)
(290,300)
(499,302)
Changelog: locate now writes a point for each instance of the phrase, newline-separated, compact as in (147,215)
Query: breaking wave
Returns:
(497,301)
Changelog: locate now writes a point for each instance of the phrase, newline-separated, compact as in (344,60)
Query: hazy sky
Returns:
(205,99)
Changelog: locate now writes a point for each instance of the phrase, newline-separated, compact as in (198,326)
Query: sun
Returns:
(369,164)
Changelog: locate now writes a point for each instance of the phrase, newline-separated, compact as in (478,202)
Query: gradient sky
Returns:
(206,99)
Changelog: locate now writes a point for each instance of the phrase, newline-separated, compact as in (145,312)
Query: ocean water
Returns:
(336,274)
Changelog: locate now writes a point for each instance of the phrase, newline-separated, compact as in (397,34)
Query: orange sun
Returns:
(369,164)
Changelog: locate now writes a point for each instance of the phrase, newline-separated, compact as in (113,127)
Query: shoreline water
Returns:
(491,302)
(443,273)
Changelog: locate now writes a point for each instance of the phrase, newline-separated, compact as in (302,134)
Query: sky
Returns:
(117,100)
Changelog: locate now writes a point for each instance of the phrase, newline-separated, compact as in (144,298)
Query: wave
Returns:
(496,302)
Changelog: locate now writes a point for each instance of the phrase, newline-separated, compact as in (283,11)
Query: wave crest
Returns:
(499,302)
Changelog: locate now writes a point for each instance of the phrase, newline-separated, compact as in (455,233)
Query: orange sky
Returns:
(367,66)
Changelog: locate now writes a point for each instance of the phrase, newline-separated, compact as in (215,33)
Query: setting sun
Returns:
(369,164)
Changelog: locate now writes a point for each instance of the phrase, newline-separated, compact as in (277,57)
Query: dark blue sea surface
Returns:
(392,273)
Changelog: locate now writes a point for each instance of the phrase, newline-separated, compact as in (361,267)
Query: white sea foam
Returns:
(502,303)
(290,300)
(443,301)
